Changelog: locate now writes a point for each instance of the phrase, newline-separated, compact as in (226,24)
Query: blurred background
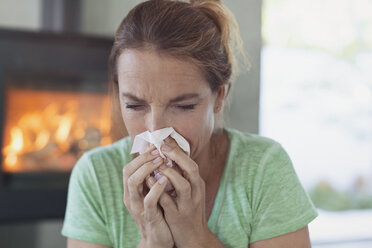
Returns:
(309,88)
(316,99)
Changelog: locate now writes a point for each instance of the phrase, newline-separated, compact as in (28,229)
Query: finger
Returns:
(189,167)
(149,181)
(152,198)
(180,184)
(175,153)
(135,181)
(167,203)
(131,167)
(147,156)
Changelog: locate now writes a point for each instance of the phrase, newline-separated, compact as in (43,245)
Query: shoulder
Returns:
(253,157)
(254,146)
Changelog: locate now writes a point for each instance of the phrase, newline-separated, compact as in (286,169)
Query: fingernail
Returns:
(166,148)
(155,152)
(163,167)
(162,180)
(151,180)
(157,160)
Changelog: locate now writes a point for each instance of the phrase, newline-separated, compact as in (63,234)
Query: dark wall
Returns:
(42,234)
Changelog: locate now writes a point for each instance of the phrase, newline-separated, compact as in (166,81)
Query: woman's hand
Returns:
(185,214)
(144,208)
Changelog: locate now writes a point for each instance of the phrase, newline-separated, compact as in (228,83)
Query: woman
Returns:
(171,65)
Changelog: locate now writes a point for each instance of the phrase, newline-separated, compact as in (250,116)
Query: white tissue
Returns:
(142,140)
(157,138)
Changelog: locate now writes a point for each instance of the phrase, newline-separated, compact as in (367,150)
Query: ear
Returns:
(222,93)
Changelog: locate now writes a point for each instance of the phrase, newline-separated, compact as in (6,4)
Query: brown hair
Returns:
(204,32)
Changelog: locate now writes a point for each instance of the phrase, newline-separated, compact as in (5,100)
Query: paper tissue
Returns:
(142,140)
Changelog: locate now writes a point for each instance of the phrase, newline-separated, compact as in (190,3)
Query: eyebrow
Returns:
(180,98)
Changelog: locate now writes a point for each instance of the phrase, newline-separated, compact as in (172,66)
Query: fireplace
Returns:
(54,106)
(47,130)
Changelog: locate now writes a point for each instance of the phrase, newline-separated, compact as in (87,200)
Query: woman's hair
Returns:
(203,32)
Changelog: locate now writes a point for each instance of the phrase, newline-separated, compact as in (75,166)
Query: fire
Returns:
(63,131)
(54,137)
(42,139)
(17,140)
(14,148)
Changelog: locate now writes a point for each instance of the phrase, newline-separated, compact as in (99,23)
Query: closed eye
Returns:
(139,107)
(186,107)
(134,106)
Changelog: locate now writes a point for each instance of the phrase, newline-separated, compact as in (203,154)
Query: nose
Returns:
(156,120)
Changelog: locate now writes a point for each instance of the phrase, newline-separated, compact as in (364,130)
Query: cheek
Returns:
(197,129)
(133,124)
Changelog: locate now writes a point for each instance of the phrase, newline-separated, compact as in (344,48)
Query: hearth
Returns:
(54,106)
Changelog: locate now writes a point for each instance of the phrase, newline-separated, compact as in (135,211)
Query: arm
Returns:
(75,243)
(297,239)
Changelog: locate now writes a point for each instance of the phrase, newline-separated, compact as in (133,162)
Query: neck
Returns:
(211,156)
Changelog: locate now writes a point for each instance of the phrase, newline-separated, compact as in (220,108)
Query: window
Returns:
(316,100)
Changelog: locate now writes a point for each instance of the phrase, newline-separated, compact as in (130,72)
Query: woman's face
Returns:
(158,91)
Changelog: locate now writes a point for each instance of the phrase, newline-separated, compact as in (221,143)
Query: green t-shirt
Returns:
(259,195)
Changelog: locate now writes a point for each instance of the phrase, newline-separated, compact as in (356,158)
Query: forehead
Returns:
(151,70)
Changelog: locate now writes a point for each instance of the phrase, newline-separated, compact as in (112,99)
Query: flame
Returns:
(14,147)
(17,140)
(11,160)
(42,139)
(57,131)
(63,129)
